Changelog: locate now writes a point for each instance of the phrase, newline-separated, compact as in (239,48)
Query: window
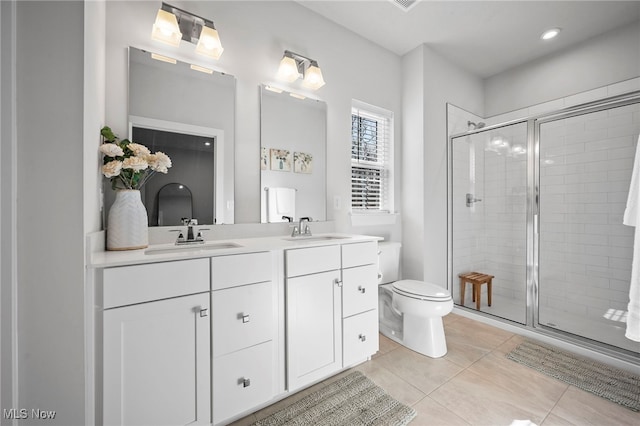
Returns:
(371,159)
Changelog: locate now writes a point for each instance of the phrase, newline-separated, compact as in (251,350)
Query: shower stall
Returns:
(538,204)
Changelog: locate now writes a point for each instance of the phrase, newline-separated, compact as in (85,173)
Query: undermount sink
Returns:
(316,238)
(190,248)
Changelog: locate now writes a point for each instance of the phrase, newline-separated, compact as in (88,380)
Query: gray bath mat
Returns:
(619,386)
(350,401)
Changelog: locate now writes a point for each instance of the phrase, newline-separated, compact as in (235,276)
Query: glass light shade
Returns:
(288,70)
(166,28)
(209,43)
(313,78)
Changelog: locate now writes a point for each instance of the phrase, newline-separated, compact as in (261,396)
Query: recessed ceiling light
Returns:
(549,34)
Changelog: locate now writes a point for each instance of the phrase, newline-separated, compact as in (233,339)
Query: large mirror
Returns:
(293,157)
(187,112)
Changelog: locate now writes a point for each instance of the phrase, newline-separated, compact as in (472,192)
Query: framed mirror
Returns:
(293,157)
(179,108)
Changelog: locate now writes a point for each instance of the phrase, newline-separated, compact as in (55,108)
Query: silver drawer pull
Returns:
(245,318)
(338,282)
(204,312)
(361,289)
(245,382)
(362,337)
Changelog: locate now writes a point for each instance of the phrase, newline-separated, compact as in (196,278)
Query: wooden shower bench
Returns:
(477,279)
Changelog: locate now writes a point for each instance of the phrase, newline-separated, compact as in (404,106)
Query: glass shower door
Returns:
(489,218)
(585,252)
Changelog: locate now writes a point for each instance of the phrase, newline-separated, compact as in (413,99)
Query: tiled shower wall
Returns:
(585,251)
(490,235)
(505,199)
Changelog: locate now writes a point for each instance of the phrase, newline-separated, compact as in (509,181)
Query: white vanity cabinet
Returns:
(156,344)
(244,323)
(332,300)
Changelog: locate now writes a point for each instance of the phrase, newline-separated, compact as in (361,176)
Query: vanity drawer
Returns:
(243,316)
(242,380)
(357,254)
(311,260)
(360,337)
(127,285)
(240,269)
(359,289)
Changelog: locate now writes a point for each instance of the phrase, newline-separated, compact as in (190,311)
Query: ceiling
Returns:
(483,37)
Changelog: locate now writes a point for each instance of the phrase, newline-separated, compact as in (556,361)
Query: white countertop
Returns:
(105,259)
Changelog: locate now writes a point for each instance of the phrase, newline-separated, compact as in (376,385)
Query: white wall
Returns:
(7,205)
(443,83)
(50,208)
(602,60)
(413,147)
(255,35)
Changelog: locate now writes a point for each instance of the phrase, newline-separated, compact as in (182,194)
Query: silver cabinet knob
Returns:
(245,382)
(338,282)
(245,318)
(204,312)
(362,289)
(362,337)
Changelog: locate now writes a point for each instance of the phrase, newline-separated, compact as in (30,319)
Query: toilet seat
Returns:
(421,290)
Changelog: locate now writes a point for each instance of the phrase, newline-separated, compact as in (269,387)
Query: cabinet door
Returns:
(359,290)
(361,338)
(314,329)
(157,363)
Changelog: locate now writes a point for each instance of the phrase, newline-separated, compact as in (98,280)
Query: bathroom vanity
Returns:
(210,333)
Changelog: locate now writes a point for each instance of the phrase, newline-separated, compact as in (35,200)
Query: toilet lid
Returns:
(421,290)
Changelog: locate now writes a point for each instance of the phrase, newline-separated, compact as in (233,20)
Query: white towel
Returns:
(632,218)
(280,202)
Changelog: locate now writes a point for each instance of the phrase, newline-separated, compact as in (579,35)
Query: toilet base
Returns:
(424,335)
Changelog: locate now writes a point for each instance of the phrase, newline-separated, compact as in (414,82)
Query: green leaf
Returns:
(107,133)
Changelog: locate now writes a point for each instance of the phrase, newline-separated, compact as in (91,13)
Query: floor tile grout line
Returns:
(555,405)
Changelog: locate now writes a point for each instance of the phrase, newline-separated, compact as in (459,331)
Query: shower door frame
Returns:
(533,216)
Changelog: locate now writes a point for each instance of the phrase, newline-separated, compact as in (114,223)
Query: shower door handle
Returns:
(471,200)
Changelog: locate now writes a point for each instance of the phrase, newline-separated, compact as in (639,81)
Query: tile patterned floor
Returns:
(475,384)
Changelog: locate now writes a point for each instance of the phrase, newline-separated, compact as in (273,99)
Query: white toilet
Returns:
(411,311)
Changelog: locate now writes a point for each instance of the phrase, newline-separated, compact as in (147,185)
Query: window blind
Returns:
(371,133)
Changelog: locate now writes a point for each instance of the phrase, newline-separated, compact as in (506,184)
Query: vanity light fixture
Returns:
(297,96)
(549,34)
(174,24)
(294,66)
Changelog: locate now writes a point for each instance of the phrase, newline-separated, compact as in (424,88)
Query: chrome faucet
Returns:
(299,231)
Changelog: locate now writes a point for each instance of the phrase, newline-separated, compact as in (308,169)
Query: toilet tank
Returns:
(388,261)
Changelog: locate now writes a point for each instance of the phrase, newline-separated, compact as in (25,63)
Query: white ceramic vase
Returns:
(127,224)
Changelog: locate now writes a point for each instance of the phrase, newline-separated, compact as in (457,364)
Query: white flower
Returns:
(159,162)
(111,150)
(112,168)
(138,149)
(135,163)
